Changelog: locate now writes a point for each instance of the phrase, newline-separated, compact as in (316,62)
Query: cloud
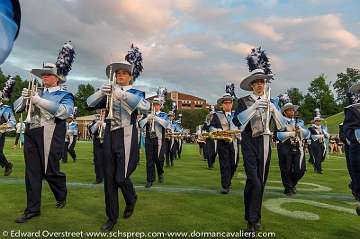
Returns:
(267,3)
(264,30)
(325,30)
(238,48)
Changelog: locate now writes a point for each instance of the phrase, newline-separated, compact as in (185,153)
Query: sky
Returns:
(191,46)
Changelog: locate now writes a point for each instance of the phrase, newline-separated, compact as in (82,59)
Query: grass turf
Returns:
(188,200)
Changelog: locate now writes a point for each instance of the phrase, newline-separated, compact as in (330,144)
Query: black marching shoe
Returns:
(358,211)
(8,169)
(288,192)
(61,204)
(129,209)
(161,178)
(258,226)
(225,191)
(148,185)
(108,226)
(98,181)
(250,227)
(26,217)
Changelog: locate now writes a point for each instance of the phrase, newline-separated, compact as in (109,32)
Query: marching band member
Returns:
(121,148)
(227,150)
(7,123)
(20,130)
(72,132)
(97,128)
(346,144)
(351,128)
(200,140)
(45,131)
(318,147)
(253,115)
(174,128)
(291,149)
(155,125)
(210,146)
(180,140)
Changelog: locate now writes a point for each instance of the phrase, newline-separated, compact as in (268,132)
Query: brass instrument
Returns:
(266,121)
(226,135)
(297,139)
(175,135)
(33,87)
(200,139)
(101,126)
(109,98)
(152,123)
(5,128)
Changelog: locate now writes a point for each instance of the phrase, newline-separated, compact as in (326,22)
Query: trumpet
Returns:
(33,86)
(152,130)
(109,98)
(101,126)
(266,121)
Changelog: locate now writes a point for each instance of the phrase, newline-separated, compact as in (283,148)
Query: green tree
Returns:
(321,94)
(295,96)
(307,108)
(84,91)
(344,81)
(193,118)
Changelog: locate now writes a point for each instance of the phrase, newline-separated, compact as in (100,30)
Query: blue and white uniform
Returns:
(291,153)
(121,148)
(44,143)
(154,143)
(6,118)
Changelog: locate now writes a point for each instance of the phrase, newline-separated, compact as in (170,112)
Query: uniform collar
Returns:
(125,88)
(227,113)
(256,97)
(52,89)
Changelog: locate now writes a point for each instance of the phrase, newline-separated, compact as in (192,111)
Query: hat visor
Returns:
(318,119)
(284,108)
(46,71)
(117,66)
(245,84)
(222,100)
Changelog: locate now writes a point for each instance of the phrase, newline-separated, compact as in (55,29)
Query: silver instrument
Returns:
(109,98)
(33,87)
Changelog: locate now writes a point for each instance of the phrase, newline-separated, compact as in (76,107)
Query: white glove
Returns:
(272,107)
(290,128)
(35,98)
(106,89)
(25,93)
(261,104)
(151,116)
(292,134)
(119,93)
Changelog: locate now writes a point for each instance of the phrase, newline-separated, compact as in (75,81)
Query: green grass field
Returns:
(188,200)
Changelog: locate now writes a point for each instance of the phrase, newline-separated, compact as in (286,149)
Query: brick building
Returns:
(185,101)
